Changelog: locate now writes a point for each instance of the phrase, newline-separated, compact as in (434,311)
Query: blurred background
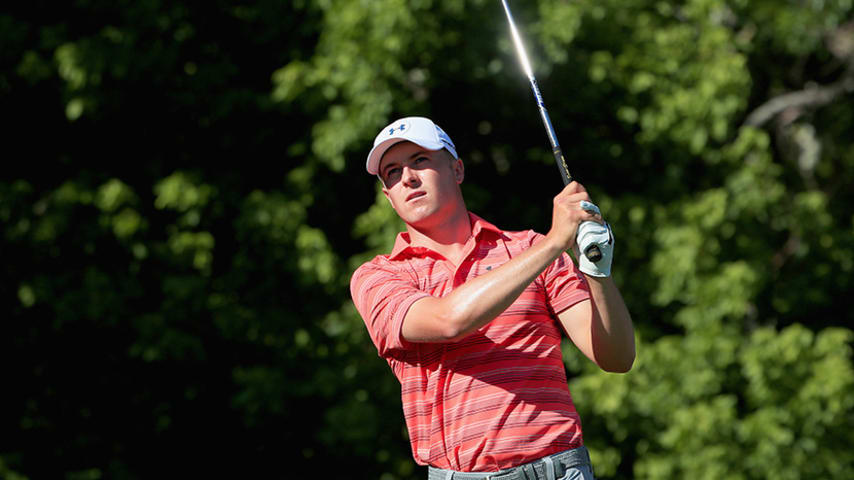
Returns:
(183,201)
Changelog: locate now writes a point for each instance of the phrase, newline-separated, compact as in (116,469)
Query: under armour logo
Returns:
(402,127)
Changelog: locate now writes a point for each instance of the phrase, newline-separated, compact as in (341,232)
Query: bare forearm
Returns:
(481,299)
(613,335)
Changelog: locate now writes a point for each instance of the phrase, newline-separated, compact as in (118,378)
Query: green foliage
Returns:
(709,406)
(186,200)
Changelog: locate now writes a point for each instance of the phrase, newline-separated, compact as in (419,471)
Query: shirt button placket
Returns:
(462,271)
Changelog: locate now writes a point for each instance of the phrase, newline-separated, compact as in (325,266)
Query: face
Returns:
(422,185)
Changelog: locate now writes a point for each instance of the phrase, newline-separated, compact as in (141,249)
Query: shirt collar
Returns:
(402,244)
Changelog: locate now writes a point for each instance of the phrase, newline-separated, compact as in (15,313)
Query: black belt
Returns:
(536,470)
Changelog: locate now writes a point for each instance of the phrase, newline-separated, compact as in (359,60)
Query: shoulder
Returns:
(378,264)
(377,270)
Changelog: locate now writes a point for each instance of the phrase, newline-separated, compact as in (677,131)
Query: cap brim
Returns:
(376,154)
(373,163)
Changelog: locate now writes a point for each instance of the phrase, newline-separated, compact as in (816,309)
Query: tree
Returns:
(186,200)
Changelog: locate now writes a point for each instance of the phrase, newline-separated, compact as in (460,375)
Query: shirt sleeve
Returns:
(383,297)
(565,285)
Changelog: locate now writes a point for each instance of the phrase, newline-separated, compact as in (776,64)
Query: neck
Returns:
(448,237)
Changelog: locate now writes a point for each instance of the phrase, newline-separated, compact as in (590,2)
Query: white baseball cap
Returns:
(418,130)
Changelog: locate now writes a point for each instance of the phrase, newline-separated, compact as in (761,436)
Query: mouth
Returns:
(415,195)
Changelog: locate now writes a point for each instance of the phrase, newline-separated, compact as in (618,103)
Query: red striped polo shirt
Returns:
(497,398)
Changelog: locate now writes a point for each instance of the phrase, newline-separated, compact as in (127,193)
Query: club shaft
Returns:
(544,114)
(550,131)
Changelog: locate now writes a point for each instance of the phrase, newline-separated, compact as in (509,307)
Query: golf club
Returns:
(593,253)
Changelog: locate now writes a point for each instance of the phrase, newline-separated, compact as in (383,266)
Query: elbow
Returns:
(452,332)
(619,356)
(452,327)
(434,323)
(619,365)
(623,367)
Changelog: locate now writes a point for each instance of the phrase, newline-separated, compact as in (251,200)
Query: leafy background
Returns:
(184,199)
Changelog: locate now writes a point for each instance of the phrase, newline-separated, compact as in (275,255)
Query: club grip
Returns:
(561,165)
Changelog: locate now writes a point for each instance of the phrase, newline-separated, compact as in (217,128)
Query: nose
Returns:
(410,177)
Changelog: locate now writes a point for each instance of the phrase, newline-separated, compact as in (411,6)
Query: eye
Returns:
(421,159)
(392,173)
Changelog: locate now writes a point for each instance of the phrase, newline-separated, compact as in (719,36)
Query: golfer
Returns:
(469,318)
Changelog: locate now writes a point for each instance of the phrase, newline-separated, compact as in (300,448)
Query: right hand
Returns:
(567,215)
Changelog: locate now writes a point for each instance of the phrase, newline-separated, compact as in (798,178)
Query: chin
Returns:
(419,216)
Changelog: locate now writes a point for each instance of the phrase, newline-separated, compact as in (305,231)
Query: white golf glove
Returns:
(594,233)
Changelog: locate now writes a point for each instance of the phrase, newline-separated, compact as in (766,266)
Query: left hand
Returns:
(591,232)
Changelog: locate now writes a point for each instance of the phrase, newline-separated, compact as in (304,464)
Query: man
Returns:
(467,316)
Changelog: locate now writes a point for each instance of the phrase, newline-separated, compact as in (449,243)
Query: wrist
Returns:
(597,282)
(553,245)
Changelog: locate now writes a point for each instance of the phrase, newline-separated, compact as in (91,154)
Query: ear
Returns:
(459,170)
(385,192)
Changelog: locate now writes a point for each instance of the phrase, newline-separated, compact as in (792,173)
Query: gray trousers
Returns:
(571,464)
